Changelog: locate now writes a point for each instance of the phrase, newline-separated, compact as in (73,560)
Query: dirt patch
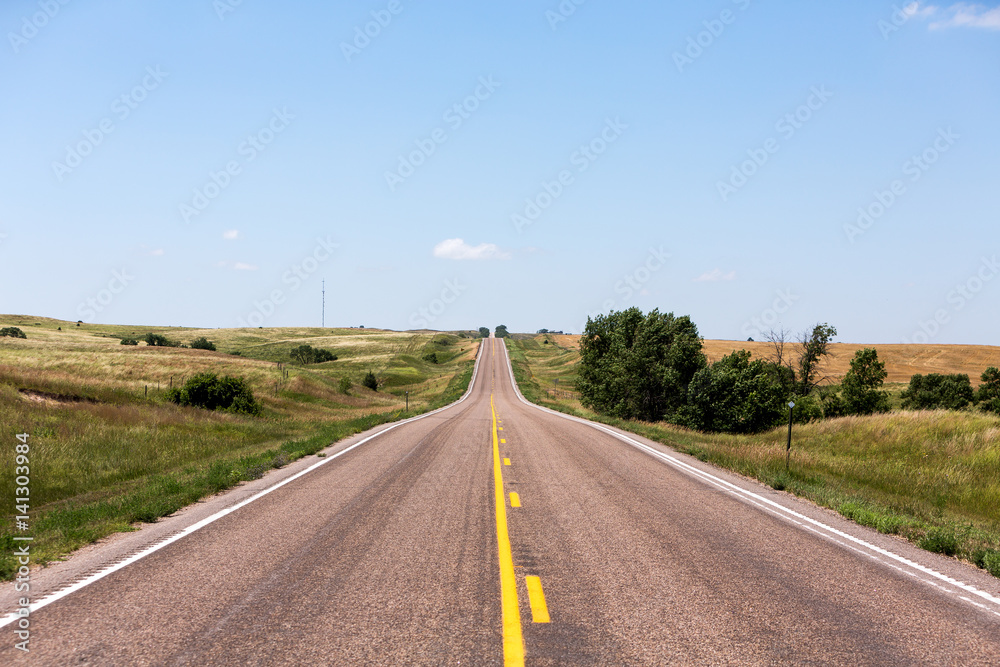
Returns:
(48,398)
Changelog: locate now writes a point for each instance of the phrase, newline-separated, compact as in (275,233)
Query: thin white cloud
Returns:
(237,266)
(959,15)
(459,249)
(715,275)
(157,253)
(231,234)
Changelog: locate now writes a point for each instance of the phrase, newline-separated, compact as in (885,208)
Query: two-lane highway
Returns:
(492,532)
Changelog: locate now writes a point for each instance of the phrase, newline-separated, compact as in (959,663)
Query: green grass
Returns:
(108,451)
(932,477)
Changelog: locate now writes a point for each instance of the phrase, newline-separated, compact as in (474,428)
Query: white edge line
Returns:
(738,491)
(97,576)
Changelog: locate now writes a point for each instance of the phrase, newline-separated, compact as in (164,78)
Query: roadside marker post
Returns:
(788,449)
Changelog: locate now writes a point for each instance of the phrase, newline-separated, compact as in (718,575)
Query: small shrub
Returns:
(780,482)
(129,341)
(940,541)
(432,357)
(807,409)
(12,332)
(202,344)
(370,381)
(990,561)
(255,471)
(833,404)
(307,354)
(344,386)
(156,340)
(209,391)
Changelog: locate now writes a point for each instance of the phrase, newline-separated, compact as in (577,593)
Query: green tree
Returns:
(862,386)
(935,391)
(501,331)
(812,349)
(12,332)
(484,332)
(307,354)
(735,395)
(636,366)
(129,341)
(202,344)
(156,340)
(989,391)
(370,381)
(209,391)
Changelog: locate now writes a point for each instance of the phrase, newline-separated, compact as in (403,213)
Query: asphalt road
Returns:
(493,531)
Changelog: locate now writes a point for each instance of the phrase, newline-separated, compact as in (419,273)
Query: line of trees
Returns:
(651,367)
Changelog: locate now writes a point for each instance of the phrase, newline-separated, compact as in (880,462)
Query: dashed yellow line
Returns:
(502,441)
(506,462)
(513,639)
(515,499)
(536,597)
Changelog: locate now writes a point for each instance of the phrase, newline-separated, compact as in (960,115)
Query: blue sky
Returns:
(751,164)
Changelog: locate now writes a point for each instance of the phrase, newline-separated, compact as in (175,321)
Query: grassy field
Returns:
(932,477)
(109,451)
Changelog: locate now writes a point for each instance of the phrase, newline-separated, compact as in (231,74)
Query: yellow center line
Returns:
(515,499)
(536,597)
(502,441)
(513,640)
(506,462)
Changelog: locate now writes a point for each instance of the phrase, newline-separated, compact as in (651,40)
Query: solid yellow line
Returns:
(506,462)
(513,640)
(536,597)
(515,499)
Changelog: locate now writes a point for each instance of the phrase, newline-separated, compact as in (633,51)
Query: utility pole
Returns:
(323,321)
